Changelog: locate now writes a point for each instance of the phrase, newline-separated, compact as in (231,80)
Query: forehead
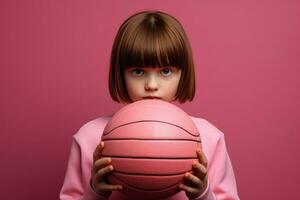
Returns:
(151,67)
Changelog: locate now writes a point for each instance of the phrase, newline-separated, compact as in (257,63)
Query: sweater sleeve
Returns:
(73,187)
(222,184)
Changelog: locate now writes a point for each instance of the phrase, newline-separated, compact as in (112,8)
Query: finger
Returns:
(201,157)
(102,173)
(101,163)
(192,180)
(188,189)
(98,151)
(109,187)
(199,170)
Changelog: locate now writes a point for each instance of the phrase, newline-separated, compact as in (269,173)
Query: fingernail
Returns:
(102,144)
(111,167)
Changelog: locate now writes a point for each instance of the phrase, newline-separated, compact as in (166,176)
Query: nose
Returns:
(151,84)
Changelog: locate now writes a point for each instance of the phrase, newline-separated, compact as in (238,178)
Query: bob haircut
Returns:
(151,39)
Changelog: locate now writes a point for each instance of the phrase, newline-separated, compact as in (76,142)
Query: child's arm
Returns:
(73,187)
(222,184)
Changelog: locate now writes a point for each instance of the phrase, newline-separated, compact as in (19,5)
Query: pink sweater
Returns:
(222,184)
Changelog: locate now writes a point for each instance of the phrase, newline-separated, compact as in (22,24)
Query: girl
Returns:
(151,58)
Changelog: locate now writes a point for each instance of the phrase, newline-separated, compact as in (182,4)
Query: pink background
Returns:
(54,58)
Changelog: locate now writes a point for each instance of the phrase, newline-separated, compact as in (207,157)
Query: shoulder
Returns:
(211,136)
(207,129)
(91,131)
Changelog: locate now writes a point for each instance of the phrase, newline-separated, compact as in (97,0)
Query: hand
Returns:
(101,168)
(195,183)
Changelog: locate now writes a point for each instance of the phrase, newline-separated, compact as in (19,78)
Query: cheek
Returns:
(175,84)
(130,86)
(171,88)
(133,87)
(174,87)
(128,81)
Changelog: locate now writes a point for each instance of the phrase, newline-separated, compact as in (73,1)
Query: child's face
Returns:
(148,83)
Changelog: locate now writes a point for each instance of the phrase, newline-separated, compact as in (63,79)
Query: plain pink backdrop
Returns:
(54,58)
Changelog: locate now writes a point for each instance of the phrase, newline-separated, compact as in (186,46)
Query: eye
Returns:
(166,72)
(137,72)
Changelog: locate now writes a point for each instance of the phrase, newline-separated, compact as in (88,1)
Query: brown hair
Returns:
(151,39)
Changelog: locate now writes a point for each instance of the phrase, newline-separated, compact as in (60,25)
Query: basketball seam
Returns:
(197,134)
(143,189)
(137,174)
(141,157)
(146,139)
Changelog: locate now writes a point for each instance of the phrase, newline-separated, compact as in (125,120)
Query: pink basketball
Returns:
(152,144)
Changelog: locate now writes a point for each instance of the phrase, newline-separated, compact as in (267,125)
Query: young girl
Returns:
(151,58)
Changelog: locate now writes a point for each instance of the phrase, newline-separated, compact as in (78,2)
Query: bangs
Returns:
(153,45)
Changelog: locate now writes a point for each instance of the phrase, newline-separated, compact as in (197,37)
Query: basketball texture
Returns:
(152,144)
